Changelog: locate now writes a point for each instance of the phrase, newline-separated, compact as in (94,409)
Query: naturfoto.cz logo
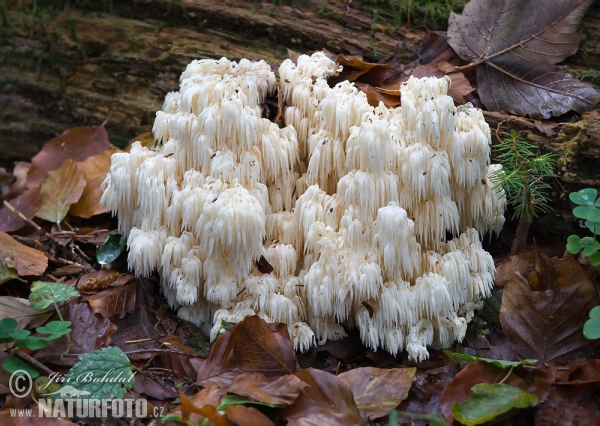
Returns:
(68,401)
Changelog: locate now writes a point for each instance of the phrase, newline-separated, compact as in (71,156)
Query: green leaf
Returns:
(20,334)
(43,384)
(111,248)
(584,197)
(229,400)
(487,401)
(55,329)
(591,249)
(45,294)
(7,327)
(591,328)
(32,342)
(13,363)
(591,213)
(432,419)
(592,226)
(497,362)
(595,259)
(106,374)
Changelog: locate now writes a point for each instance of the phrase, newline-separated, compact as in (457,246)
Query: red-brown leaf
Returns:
(377,390)
(252,346)
(547,325)
(281,390)
(95,169)
(76,144)
(325,401)
(27,260)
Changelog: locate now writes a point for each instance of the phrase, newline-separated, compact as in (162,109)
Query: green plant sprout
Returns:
(588,209)
(42,296)
(523,176)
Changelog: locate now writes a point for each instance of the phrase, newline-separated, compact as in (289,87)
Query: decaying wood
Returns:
(87,64)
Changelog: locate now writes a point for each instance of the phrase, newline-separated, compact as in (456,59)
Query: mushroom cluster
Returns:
(351,205)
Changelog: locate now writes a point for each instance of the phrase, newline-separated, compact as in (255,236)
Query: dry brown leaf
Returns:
(61,188)
(114,301)
(180,364)
(514,44)
(325,400)
(276,391)
(376,390)
(27,260)
(547,325)
(190,410)
(246,416)
(252,346)
(89,332)
(144,385)
(27,203)
(95,169)
(76,144)
(17,308)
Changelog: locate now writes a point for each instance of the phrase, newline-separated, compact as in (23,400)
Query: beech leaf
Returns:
(62,188)
(251,346)
(26,260)
(515,44)
(376,390)
(546,324)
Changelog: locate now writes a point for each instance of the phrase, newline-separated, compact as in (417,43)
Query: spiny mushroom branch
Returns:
(351,205)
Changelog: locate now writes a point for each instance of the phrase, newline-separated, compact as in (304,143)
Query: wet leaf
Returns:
(108,363)
(251,346)
(76,144)
(584,197)
(61,189)
(89,332)
(144,385)
(516,44)
(111,249)
(180,364)
(114,301)
(326,401)
(488,401)
(547,325)
(26,260)
(376,390)
(95,169)
(497,362)
(281,390)
(44,294)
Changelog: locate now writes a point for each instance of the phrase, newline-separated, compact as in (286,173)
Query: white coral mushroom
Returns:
(352,206)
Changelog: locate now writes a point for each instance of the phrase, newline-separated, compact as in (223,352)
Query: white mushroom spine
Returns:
(351,205)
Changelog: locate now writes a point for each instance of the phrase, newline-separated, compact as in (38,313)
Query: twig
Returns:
(506,377)
(31,360)
(25,218)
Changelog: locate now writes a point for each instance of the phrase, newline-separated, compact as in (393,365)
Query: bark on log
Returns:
(89,64)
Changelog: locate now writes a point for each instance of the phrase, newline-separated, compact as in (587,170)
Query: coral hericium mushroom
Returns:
(351,205)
